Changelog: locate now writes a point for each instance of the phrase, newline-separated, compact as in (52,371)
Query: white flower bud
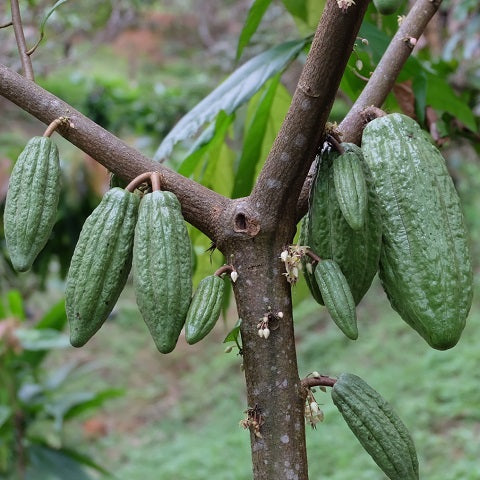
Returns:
(234,276)
(228,349)
(314,408)
(359,64)
(309,268)
(284,255)
(260,333)
(266,333)
(295,272)
(315,374)
(280,314)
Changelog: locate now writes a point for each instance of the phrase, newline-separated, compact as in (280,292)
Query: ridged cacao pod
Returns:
(32,200)
(425,265)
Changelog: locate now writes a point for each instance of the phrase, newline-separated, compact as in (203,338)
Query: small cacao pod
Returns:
(205,308)
(425,264)
(162,267)
(378,428)
(337,297)
(100,264)
(350,185)
(32,200)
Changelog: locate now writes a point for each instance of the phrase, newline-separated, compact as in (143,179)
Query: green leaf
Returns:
(5,414)
(71,404)
(419,86)
(46,463)
(441,96)
(237,89)
(253,141)
(211,138)
(47,16)
(234,333)
(55,318)
(35,340)
(56,377)
(254,17)
(15,304)
(297,8)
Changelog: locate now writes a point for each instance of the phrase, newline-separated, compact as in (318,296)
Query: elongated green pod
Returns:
(205,308)
(357,252)
(32,200)
(425,265)
(307,266)
(100,264)
(337,297)
(162,267)
(378,428)
(350,185)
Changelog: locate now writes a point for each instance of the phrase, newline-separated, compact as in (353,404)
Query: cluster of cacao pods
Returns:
(389,206)
(125,229)
(150,234)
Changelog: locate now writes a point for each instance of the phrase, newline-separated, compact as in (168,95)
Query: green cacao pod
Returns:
(307,266)
(387,7)
(205,308)
(337,297)
(350,185)
(425,264)
(162,267)
(32,200)
(100,264)
(357,252)
(378,428)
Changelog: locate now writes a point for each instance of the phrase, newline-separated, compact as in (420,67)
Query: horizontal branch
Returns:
(200,206)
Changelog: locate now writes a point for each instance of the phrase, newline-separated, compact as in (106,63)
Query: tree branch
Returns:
(297,142)
(200,206)
(20,38)
(381,82)
(383,78)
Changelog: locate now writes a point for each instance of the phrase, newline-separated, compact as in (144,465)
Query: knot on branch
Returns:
(244,221)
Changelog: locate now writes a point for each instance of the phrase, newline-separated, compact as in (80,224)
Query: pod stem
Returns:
(60,121)
(154,178)
(336,144)
(318,381)
(371,113)
(224,269)
(313,255)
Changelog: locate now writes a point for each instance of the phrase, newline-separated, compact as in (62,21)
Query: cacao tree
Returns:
(255,229)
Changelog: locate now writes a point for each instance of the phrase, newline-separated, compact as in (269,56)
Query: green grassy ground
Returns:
(179,416)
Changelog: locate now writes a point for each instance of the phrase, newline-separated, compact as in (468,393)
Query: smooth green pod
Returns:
(100,264)
(205,308)
(337,297)
(32,200)
(350,185)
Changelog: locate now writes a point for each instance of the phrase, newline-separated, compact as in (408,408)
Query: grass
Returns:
(179,416)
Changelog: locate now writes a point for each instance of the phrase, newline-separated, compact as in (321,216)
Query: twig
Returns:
(5,25)
(20,38)
(385,74)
